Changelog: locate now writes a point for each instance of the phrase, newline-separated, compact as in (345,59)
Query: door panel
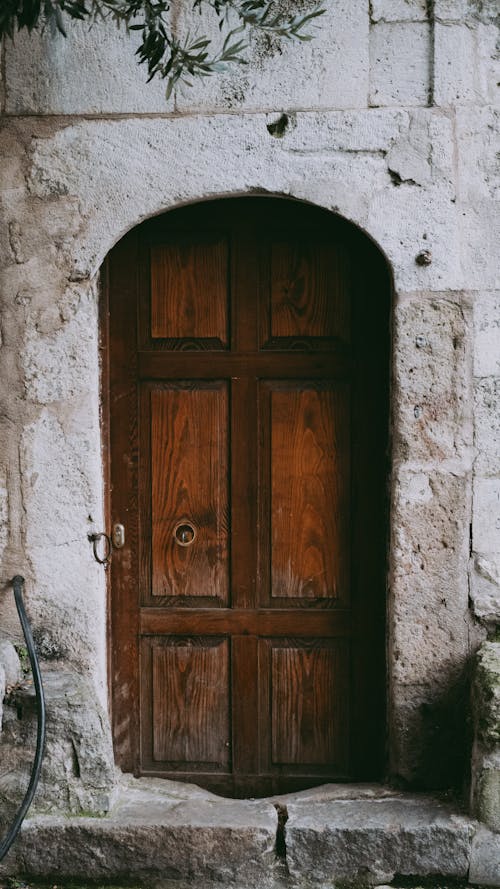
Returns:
(189,448)
(308,300)
(308,703)
(248,427)
(189,286)
(310,485)
(187,682)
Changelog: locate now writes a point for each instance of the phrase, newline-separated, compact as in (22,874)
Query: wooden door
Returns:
(248,373)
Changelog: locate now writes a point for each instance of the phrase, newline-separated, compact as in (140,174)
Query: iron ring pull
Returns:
(108,548)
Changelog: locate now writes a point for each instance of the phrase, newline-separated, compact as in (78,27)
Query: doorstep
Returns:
(166,831)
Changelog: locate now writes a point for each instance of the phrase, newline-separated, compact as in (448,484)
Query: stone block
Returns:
(199,840)
(282,74)
(466,66)
(88,72)
(3,687)
(4,511)
(486,516)
(372,130)
(487,425)
(96,71)
(487,796)
(477,137)
(370,842)
(399,64)
(429,748)
(487,695)
(429,590)
(407,220)
(78,772)
(485,858)
(399,10)
(480,236)
(466,10)
(62,497)
(451,10)
(424,154)
(484,591)
(432,388)
(62,364)
(10,663)
(487,334)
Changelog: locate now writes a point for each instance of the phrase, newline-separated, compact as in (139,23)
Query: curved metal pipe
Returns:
(18,584)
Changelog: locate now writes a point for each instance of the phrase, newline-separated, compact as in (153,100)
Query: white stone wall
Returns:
(391,122)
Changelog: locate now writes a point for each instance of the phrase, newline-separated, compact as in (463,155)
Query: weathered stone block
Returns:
(487,796)
(281,74)
(399,10)
(4,511)
(487,425)
(424,154)
(484,592)
(97,71)
(407,220)
(429,577)
(9,660)
(200,840)
(486,516)
(485,859)
(370,842)
(451,10)
(87,72)
(487,334)
(429,746)
(371,130)
(399,64)
(480,236)
(432,387)
(478,136)
(465,64)
(486,752)
(487,695)
(78,773)
(58,366)
(3,686)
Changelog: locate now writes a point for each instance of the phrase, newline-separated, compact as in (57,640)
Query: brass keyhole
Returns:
(184,534)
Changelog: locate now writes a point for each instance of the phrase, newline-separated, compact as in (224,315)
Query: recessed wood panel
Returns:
(190,686)
(189,461)
(310,482)
(309,290)
(189,290)
(309,688)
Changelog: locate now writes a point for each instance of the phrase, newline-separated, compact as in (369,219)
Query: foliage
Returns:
(165,54)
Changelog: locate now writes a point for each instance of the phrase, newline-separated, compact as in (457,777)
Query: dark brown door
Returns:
(248,381)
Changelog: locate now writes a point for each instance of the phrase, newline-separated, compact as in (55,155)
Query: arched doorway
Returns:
(248,403)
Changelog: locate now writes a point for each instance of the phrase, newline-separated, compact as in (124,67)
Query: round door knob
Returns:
(184,534)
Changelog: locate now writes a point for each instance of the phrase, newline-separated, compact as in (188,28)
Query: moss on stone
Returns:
(487,694)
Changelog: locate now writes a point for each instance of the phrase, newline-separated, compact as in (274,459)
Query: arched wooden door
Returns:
(248,393)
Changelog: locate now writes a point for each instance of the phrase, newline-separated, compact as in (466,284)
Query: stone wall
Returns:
(388,118)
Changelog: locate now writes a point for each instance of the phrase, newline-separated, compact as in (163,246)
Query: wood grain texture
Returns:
(309,290)
(189,458)
(190,686)
(310,484)
(189,289)
(309,689)
(248,622)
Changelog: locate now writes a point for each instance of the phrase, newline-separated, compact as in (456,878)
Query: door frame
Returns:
(130,761)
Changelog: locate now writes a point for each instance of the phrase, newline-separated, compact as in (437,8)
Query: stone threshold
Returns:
(172,834)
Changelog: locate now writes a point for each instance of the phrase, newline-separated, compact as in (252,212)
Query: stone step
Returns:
(157,833)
